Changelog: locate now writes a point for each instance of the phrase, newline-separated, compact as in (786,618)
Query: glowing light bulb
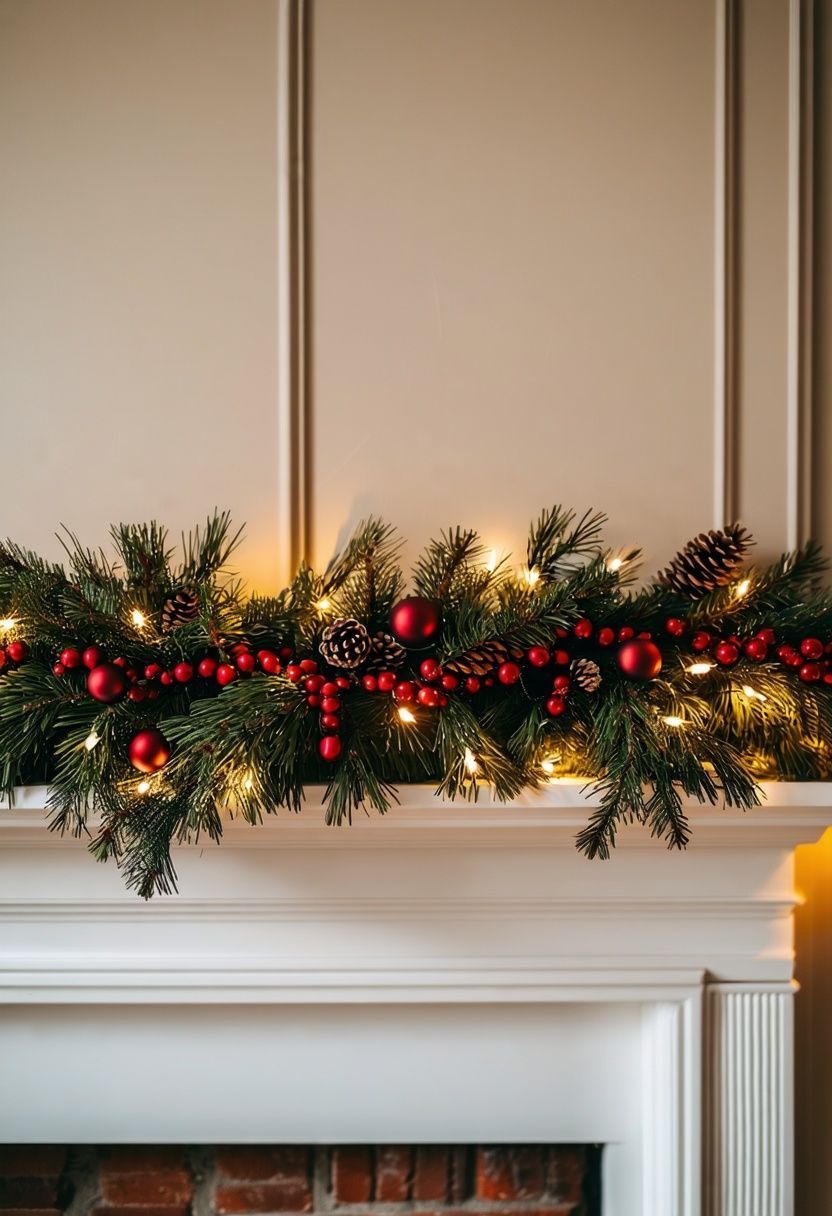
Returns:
(673,720)
(743,588)
(324,605)
(531,576)
(92,740)
(471,761)
(143,787)
(615,564)
(699,669)
(406,715)
(247,783)
(7,624)
(548,766)
(491,561)
(138,618)
(752,693)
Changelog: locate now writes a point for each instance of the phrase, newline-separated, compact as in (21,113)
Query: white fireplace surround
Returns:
(453,972)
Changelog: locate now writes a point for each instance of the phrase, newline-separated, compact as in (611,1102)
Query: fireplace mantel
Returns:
(449,972)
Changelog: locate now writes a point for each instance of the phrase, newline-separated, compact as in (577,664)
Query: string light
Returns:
(324,605)
(531,575)
(143,787)
(247,782)
(743,588)
(699,669)
(491,561)
(406,715)
(471,761)
(7,624)
(138,618)
(548,766)
(92,740)
(752,693)
(673,720)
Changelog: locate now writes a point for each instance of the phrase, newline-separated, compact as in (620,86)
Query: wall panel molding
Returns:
(725,330)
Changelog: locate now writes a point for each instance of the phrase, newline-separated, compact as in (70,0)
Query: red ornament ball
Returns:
(810,648)
(538,656)
(415,621)
(555,706)
(226,674)
(756,649)
(71,658)
(17,651)
(149,751)
(330,748)
(183,672)
(106,683)
(606,636)
(640,659)
(726,654)
(700,640)
(675,626)
(508,673)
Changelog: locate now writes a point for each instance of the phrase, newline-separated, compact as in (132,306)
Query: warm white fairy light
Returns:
(743,588)
(247,782)
(406,715)
(548,766)
(324,605)
(530,575)
(7,624)
(92,740)
(752,693)
(471,761)
(614,564)
(143,787)
(699,669)
(673,720)
(491,561)
(138,618)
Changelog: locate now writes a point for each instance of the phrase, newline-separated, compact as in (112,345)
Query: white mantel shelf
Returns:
(450,971)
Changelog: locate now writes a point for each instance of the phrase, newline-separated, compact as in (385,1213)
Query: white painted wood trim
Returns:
(725,153)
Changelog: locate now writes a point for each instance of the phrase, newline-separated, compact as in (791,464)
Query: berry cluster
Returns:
(326,695)
(16,652)
(811,657)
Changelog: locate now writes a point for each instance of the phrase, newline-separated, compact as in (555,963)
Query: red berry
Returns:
(538,656)
(726,654)
(756,649)
(386,681)
(645,635)
(810,673)
(245,661)
(269,662)
(562,658)
(166,678)
(330,705)
(405,691)
(226,674)
(369,683)
(17,651)
(555,706)
(314,683)
(429,669)
(314,700)
(700,640)
(308,666)
(583,629)
(71,657)
(449,682)
(343,682)
(428,696)
(330,747)
(625,633)
(183,672)
(508,673)
(285,653)
(606,636)
(472,684)
(58,669)
(152,671)
(560,632)
(675,626)
(92,657)
(294,672)
(136,693)
(152,693)
(329,689)
(827,679)
(766,635)
(561,684)
(119,662)
(240,648)
(443,701)
(132,674)
(811,648)
(330,722)
(207,668)
(489,681)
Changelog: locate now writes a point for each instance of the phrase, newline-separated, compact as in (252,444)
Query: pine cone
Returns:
(707,562)
(587,674)
(345,643)
(181,608)
(385,653)
(479,660)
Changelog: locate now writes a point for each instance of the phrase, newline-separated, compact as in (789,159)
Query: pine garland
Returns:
(699,684)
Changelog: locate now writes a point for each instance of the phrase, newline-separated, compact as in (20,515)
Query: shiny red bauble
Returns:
(17,651)
(640,659)
(149,750)
(810,672)
(756,649)
(415,621)
(207,668)
(92,656)
(226,674)
(508,673)
(183,672)
(811,648)
(538,656)
(583,629)
(606,636)
(700,640)
(330,747)
(106,683)
(405,691)
(555,706)
(726,654)
(71,658)
(675,626)
(245,661)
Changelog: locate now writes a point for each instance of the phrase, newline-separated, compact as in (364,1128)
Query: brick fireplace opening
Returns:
(354,1180)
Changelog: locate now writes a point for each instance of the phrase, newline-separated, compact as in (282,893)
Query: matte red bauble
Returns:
(330,747)
(149,751)
(106,683)
(640,659)
(415,621)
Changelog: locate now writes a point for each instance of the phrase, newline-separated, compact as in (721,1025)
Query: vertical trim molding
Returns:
(291,257)
(799,297)
(725,153)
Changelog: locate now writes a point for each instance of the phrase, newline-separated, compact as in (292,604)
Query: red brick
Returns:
(262,1197)
(512,1172)
(31,1212)
(394,1164)
(352,1174)
(258,1163)
(567,1173)
(149,1209)
(431,1174)
(32,1160)
(162,1187)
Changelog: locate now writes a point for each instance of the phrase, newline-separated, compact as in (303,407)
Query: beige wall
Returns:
(518,288)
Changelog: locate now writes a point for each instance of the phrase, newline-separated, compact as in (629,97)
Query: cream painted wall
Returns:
(137,262)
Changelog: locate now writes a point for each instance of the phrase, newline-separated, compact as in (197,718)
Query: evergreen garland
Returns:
(562,668)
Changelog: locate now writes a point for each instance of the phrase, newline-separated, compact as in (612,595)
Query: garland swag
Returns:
(161,694)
